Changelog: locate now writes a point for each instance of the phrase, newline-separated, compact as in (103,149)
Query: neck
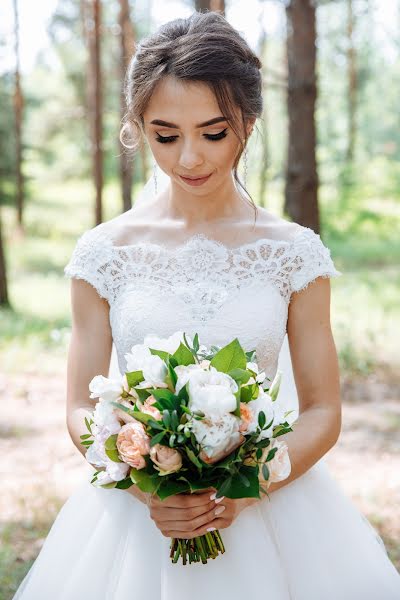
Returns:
(223,204)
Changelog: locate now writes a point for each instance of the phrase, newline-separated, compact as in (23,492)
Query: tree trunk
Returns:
(92,14)
(301,190)
(18,108)
(4,301)
(127,39)
(213,5)
(352,84)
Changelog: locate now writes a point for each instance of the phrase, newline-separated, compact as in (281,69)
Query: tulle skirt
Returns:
(307,542)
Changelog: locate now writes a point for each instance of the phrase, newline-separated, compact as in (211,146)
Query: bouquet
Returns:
(184,418)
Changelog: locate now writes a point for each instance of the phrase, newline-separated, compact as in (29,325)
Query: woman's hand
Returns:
(231,508)
(183,515)
(191,515)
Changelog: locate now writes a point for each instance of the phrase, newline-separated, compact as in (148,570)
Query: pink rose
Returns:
(167,460)
(133,444)
(149,409)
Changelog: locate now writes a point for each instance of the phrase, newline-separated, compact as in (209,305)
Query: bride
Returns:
(193,256)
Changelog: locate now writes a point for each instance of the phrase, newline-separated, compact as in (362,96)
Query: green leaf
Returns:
(86,436)
(174,420)
(110,485)
(271,454)
(230,357)
(170,487)
(172,440)
(157,438)
(124,484)
(134,377)
(163,393)
(111,442)
(193,458)
(166,419)
(246,393)
(88,424)
(261,418)
(196,344)
(240,375)
(265,471)
(144,481)
(183,356)
(161,353)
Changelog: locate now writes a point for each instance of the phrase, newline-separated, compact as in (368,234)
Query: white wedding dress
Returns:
(309,541)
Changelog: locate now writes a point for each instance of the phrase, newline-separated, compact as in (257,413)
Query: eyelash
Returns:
(212,138)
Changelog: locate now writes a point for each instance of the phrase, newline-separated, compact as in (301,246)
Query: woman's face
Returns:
(189,136)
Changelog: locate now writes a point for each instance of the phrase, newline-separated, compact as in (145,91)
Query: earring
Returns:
(245,157)
(155,176)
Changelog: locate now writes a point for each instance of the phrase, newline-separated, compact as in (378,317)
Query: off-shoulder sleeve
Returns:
(310,259)
(91,260)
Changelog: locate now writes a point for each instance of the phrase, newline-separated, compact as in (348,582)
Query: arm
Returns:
(316,374)
(89,355)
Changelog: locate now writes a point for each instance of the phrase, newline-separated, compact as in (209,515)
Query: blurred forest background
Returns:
(326,154)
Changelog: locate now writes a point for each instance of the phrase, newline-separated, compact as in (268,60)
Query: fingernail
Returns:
(219,510)
(212,497)
(211,529)
(219,499)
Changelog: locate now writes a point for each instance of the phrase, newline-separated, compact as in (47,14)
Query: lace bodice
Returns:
(201,286)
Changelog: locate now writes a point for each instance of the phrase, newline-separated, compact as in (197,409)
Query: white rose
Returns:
(107,389)
(216,434)
(279,467)
(153,367)
(211,392)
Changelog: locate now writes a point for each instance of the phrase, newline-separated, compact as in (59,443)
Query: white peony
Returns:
(153,367)
(211,392)
(107,389)
(184,373)
(217,433)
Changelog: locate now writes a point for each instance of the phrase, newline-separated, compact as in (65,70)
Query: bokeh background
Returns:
(326,154)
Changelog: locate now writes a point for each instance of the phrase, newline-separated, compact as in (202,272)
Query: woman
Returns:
(192,258)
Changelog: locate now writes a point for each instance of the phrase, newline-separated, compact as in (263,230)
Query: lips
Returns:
(196,181)
(194,178)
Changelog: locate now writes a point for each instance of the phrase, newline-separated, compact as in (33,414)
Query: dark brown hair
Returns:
(205,48)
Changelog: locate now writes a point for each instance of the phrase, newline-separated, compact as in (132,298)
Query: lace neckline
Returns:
(201,237)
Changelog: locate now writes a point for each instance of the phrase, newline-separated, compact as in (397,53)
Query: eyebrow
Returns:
(173,126)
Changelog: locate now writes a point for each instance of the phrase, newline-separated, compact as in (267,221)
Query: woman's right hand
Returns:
(183,515)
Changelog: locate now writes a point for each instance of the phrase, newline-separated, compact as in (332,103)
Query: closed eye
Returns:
(212,137)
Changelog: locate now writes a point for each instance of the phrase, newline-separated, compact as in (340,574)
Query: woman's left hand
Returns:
(231,509)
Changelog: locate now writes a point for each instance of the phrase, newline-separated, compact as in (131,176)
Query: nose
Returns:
(190,157)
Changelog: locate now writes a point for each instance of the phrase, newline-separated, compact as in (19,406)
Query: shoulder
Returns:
(270,226)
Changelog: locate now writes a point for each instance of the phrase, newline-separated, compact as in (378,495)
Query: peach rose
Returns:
(167,460)
(148,408)
(133,444)
(246,416)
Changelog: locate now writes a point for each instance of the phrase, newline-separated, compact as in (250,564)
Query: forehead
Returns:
(183,102)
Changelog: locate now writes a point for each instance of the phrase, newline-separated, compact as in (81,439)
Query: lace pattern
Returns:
(201,286)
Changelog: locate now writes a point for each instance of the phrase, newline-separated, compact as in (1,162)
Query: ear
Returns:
(250,125)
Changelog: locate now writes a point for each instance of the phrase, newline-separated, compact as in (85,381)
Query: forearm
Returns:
(314,433)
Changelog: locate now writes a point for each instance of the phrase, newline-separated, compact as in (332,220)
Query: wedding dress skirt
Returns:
(308,542)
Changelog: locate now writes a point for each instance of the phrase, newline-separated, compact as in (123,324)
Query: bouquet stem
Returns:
(198,549)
